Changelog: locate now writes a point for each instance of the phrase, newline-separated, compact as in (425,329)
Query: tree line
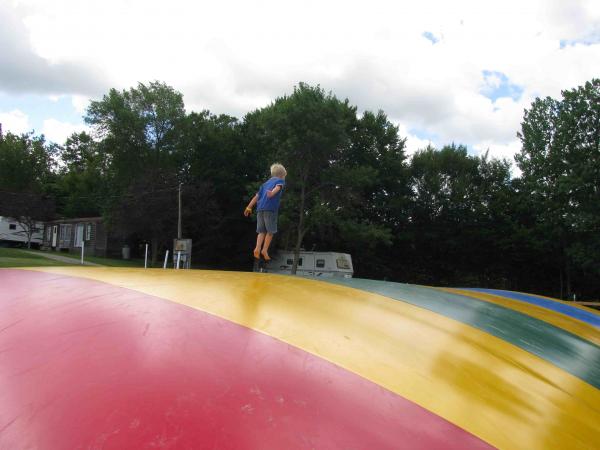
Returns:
(442,216)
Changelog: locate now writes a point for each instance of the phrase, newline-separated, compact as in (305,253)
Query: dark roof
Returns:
(77,219)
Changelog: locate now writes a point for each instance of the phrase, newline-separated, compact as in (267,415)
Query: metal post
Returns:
(166,259)
(146,258)
(178,258)
(82,249)
(179,218)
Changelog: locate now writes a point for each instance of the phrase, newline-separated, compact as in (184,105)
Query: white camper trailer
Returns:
(314,264)
(12,233)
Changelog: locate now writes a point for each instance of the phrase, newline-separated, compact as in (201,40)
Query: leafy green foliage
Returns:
(82,186)
(442,217)
(26,163)
(139,129)
(560,164)
(306,131)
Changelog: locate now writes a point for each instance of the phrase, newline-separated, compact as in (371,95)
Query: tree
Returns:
(149,210)
(140,132)
(307,131)
(560,164)
(28,209)
(138,129)
(81,185)
(25,174)
(441,216)
(366,211)
(460,225)
(26,163)
(213,155)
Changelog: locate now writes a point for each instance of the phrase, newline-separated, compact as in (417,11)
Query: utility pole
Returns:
(179,221)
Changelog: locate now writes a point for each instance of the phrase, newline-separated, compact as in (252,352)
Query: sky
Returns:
(444,71)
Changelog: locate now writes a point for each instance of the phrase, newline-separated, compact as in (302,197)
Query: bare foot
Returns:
(266,256)
(256,253)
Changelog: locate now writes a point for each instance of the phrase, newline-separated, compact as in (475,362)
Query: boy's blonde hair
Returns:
(277,170)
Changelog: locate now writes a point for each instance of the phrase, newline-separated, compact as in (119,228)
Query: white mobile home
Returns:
(315,264)
(12,233)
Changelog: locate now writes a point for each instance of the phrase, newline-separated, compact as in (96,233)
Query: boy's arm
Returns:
(274,191)
(248,209)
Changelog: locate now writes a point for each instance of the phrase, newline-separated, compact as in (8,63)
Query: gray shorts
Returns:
(266,222)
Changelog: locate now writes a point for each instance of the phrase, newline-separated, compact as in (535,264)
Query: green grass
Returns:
(110,262)
(12,257)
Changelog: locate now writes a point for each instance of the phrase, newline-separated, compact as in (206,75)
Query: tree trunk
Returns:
(30,230)
(301,231)
(286,240)
(27,228)
(561,283)
(154,251)
(568,279)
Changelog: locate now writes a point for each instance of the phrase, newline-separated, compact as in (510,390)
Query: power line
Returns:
(95,196)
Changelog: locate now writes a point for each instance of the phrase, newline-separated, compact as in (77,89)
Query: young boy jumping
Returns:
(267,198)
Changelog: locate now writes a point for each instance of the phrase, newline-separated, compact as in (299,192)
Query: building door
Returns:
(54,235)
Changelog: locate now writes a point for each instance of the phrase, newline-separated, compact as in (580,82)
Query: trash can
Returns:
(126,252)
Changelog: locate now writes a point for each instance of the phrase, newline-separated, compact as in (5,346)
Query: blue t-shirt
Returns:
(270,204)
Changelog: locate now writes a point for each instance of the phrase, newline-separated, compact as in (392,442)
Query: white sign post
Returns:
(146,258)
(82,249)
(166,259)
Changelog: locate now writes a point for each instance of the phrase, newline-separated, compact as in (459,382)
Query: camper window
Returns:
(12,226)
(320,263)
(342,263)
(291,262)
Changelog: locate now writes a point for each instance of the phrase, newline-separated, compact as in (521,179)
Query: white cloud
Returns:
(80,103)
(499,151)
(15,121)
(413,142)
(25,71)
(58,132)
(231,57)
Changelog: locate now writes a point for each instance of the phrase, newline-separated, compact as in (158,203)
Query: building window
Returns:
(12,226)
(88,233)
(320,263)
(65,235)
(78,235)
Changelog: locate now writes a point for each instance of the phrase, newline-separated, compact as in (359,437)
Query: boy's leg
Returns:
(260,238)
(265,249)
(261,230)
(270,219)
